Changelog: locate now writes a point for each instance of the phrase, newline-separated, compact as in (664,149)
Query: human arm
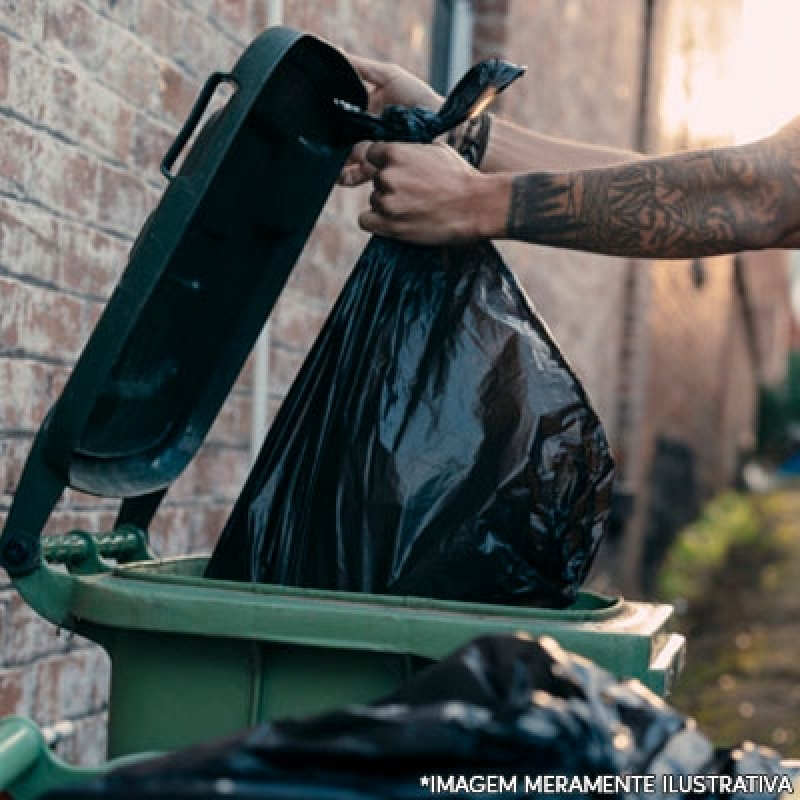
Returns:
(680,206)
(513,148)
(509,147)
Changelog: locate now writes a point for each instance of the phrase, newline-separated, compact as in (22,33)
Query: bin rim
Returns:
(589,605)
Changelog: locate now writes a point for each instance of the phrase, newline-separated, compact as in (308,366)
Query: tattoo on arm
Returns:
(680,206)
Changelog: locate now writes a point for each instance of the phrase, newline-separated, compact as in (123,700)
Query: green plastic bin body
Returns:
(194,659)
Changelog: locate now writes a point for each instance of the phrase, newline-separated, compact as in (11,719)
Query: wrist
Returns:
(492,198)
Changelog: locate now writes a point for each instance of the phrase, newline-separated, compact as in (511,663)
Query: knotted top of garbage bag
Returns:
(468,98)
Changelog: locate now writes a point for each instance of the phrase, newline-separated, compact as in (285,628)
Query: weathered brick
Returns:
(124,200)
(31,637)
(200,50)
(207,524)
(160,23)
(296,321)
(5,64)
(13,452)
(125,13)
(232,426)
(151,140)
(30,389)
(25,18)
(90,261)
(234,16)
(83,513)
(70,685)
(41,321)
(22,148)
(15,691)
(86,743)
(284,364)
(170,533)
(177,92)
(219,472)
(89,114)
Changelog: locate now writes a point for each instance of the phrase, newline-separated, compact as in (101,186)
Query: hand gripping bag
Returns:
(435,442)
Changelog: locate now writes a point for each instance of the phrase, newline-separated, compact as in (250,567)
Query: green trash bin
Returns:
(192,658)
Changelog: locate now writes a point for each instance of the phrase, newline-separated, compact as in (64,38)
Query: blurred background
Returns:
(691,364)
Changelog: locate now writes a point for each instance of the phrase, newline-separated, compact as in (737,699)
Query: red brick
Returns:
(89,115)
(13,453)
(284,365)
(91,262)
(27,241)
(201,50)
(35,165)
(15,691)
(86,744)
(207,524)
(30,83)
(30,390)
(24,18)
(232,426)
(178,92)
(93,515)
(69,685)
(5,49)
(30,636)
(21,149)
(234,16)
(160,23)
(122,13)
(295,322)
(316,278)
(124,200)
(76,189)
(151,140)
(170,532)
(53,324)
(57,251)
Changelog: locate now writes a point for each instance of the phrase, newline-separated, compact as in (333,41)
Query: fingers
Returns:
(355,174)
(379,154)
(379,225)
(356,171)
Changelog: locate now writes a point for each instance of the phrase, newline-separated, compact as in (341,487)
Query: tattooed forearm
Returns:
(687,205)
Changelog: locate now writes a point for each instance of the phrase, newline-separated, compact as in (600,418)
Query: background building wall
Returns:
(716,327)
(92,93)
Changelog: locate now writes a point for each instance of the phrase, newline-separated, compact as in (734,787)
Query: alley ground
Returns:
(742,678)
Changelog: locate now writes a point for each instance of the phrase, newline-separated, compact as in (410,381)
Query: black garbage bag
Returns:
(545,721)
(435,442)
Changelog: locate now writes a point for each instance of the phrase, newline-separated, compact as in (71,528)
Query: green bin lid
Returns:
(202,278)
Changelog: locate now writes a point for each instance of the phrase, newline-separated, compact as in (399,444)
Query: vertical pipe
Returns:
(258,423)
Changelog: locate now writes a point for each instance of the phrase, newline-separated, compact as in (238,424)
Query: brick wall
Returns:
(91,94)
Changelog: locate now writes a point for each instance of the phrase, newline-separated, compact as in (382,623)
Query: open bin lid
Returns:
(202,278)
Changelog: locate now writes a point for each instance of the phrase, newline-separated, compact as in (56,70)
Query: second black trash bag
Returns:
(435,443)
